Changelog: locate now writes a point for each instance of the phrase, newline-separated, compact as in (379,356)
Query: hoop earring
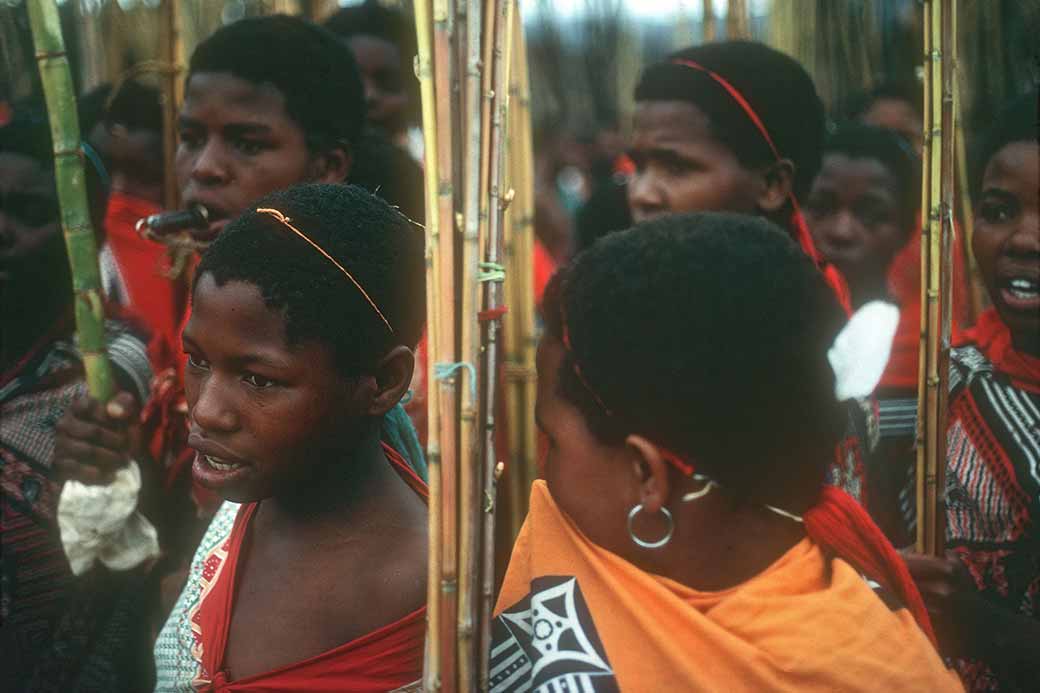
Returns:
(650,544)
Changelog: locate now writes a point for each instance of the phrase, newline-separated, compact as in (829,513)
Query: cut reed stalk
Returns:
(446,349)
(70,180)
(424,72)
(469,462)
(936,252)
(499,199)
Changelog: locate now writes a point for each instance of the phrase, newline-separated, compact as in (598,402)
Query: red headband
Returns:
(801,229)
(672,458)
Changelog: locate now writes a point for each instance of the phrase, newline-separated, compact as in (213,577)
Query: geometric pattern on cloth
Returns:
(993,492)
(547,643)
(176,664)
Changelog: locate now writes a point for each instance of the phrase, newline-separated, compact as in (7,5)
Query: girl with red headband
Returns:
(738,127)
(683,537)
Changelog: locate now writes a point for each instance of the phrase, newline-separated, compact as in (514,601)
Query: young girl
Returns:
(986,597)
(683,538)
(738,127)
(305,314)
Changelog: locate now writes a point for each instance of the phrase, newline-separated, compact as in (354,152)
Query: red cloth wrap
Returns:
(839,524)
(993,338)
(386,658)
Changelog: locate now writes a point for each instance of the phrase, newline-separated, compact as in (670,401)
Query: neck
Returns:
(721,542)
(342,490)
(867,289)
(1028,344)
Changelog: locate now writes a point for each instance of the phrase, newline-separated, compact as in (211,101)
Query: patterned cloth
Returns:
(573,616)
(993,478)
(59,633)
(190,648)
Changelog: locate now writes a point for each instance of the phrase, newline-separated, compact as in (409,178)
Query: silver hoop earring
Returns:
(650,544)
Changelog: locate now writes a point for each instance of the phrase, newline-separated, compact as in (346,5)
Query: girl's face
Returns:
(1007,240)
(262,413)
(237,143)
(681,167)
(853,211)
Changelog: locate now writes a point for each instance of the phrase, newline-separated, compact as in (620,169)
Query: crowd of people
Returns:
(716,511)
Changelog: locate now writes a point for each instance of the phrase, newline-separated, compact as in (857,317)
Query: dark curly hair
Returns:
(312,69)
(777,87)
(1019,121)
(371,239)
(708,334)
(859,141)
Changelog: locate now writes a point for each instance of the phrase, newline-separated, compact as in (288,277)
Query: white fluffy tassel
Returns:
(101,523)
(861,350)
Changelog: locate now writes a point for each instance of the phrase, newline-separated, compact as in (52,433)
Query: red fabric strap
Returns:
(993,338)
(839,524)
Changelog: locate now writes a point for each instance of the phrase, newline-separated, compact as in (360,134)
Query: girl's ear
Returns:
(392,377)
(777,185)
(332,165)
(650,472)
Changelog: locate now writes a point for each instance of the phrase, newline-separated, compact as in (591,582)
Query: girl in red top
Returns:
(317,580)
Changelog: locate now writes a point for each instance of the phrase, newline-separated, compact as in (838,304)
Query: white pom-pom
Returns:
(861,350)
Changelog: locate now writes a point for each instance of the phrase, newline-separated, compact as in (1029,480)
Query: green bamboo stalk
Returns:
(70,178)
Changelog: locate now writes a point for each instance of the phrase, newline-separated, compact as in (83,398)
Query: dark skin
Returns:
(596,485)
(34,275)
(1006,244)
(383,73)
(854,214)
(682,167)
(237,144)
(899,116)
(304,441)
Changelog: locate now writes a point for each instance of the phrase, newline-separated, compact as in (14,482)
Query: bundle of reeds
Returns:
(936,266)
(70,179)
(464,70)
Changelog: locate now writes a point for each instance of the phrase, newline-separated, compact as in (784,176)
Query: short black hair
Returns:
(775,85)
(387,170)
(91,107)
(371,239)
(1017,122)
(908,91)
(135,106)
(314,71)
(859,141)
(708,333)
(373,19)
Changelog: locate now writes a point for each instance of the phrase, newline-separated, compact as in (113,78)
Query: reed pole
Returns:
(937,210)
(447,350)
(424,72)
(737,22)
(709,23)
(70,179)
(172,62)
(473,226)
(499,199)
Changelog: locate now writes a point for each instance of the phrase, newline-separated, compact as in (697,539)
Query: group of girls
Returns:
(699,525)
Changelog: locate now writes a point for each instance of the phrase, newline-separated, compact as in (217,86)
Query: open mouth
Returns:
(1021,293)
(219,464)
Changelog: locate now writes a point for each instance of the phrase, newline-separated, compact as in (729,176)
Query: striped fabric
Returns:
(993,490)
(52,628)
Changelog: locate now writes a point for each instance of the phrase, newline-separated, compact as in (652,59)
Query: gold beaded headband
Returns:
(287,222)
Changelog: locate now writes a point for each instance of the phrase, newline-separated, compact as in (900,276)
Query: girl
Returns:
(683,538)
(312,574)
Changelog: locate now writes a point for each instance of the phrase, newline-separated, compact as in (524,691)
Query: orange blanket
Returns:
(573,614)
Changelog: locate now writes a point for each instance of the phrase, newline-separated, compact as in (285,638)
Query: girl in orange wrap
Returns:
(684,537)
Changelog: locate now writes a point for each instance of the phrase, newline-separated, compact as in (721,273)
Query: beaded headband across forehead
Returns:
(287,223)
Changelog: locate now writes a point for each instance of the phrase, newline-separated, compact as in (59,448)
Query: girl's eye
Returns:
(258,381)
(249,147)
(996,212)
(199,363)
